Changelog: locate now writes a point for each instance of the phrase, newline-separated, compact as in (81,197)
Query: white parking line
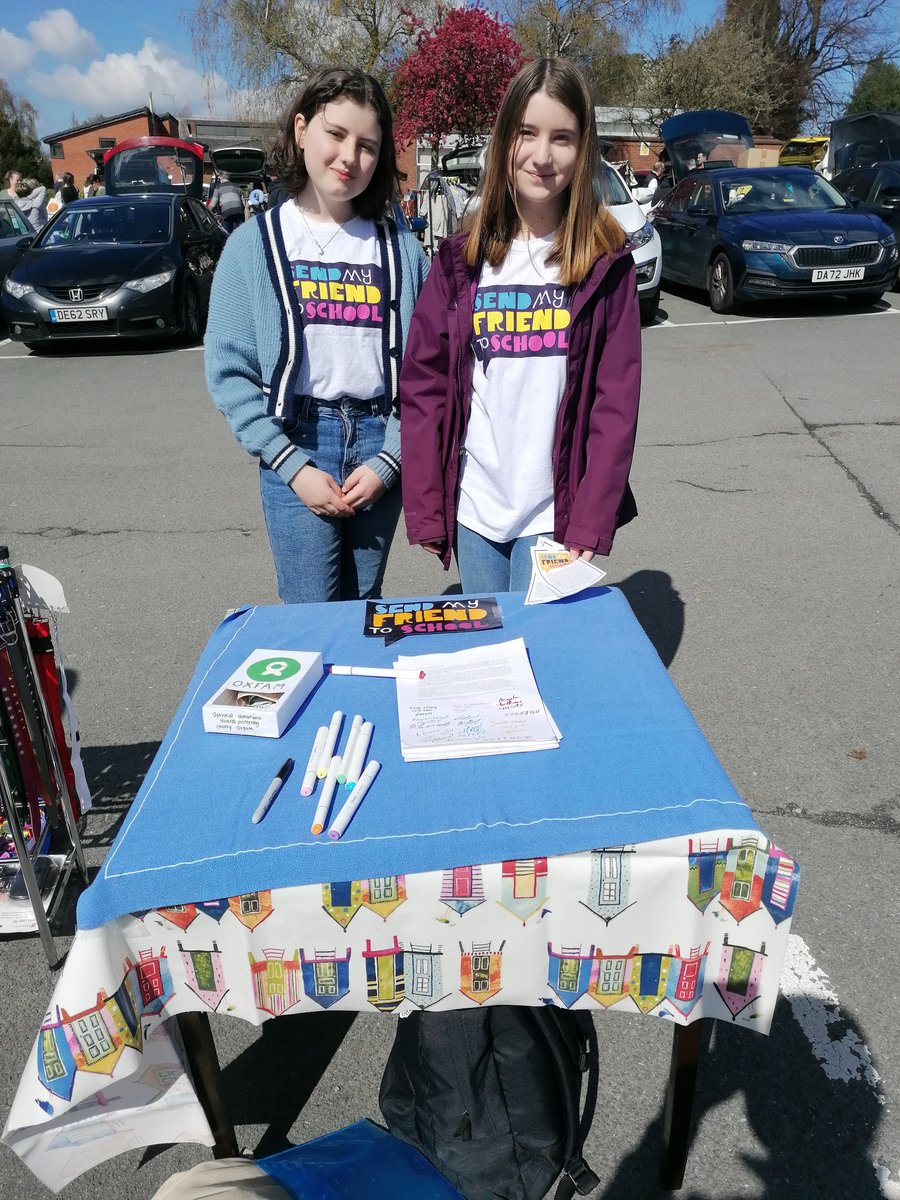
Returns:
(843,1058)
(885,312)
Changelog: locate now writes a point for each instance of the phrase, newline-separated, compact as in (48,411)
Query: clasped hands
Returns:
(323,495)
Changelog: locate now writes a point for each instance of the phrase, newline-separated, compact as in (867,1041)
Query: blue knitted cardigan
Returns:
(254,339)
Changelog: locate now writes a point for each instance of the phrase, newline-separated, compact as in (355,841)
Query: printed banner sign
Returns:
(446,614)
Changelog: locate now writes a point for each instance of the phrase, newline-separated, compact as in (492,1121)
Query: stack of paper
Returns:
(554,574)
(474,702)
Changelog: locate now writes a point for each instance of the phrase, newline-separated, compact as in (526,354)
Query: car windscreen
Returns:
(610,187)
(777,193)
(804,146)
(109,224)
(151,169)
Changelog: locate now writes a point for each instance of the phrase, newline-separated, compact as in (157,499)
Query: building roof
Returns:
(618,123)
(103,122)
(216,134)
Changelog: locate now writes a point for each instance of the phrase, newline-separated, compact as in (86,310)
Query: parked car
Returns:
(873,190)
(723,139)
(15,235)
(760,233)
(803,152)
(243,165)
(647,251)
(116,266)
(863,140)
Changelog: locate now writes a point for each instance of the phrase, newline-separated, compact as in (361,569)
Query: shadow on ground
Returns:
(810,1136)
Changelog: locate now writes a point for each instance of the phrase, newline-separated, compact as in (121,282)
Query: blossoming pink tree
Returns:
(455,78)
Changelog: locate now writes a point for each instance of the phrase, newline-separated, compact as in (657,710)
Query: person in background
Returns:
(256,201)
(228,201)
(663,177)
(310,308)
(519,390)
(68,191)
(13,183)
(32,200)
(276,193)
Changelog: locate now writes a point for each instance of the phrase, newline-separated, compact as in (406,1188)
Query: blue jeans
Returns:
(330,558)
(488,567)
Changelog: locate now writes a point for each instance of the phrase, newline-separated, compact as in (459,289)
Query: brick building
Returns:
(81,148)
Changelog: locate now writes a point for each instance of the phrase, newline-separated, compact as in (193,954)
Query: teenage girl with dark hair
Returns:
(519,390)
(310,308)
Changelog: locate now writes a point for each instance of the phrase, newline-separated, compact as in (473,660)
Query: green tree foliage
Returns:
(20,149)
(720,67)
(878,90)
(813,42)
(268,47)
(594,34)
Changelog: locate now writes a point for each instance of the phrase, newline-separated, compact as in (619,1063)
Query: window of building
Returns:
(57,150)
(107,143)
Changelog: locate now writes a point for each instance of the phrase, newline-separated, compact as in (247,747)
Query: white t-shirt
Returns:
(519,341)
(341,296)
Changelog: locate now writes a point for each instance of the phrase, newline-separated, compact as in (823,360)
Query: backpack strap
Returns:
(577,1175)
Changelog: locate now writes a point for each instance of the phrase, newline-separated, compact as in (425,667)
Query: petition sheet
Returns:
(483,700)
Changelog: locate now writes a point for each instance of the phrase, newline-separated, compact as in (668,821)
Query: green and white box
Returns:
(263,693)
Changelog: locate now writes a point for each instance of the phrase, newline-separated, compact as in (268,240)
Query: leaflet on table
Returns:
(554,574)
(479,701)
(391,620)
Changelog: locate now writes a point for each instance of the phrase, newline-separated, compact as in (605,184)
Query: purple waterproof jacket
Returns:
(597,422)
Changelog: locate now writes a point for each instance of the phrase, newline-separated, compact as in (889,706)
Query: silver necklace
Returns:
(321,247)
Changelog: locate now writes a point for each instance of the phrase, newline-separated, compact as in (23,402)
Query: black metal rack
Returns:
(26,727)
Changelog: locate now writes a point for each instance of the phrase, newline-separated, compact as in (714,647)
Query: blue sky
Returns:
(107,55)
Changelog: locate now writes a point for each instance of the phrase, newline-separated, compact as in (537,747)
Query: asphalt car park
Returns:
(762,565)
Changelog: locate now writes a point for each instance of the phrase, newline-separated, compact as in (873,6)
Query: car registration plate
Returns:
(78,314)
(837,274)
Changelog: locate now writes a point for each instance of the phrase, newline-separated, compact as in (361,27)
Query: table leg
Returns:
(680,1101)
(200,1051)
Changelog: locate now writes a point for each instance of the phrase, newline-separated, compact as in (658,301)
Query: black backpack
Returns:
(492,1096)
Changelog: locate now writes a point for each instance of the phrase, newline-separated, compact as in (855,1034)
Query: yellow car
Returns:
(802,152)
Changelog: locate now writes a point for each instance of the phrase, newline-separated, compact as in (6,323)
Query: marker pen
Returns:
(377,672)
(334,730)
(360,750)
(309,776)
(325,799)
(355,727)
(272,791)
(353,801)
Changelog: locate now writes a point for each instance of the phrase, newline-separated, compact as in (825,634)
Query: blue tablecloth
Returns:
(633,765)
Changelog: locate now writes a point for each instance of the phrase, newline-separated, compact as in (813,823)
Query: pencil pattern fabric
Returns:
(633,766)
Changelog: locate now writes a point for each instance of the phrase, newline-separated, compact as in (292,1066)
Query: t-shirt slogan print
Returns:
(340,293)
(521,321)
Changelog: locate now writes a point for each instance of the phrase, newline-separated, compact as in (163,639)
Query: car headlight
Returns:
(643,235)
(17,289)
(148,282)
(767,247)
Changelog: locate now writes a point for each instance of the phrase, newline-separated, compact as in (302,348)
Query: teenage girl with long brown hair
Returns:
(520,385)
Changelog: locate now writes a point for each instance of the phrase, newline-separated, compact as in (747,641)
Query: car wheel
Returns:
(649,310)
(191,322)
(721,285)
